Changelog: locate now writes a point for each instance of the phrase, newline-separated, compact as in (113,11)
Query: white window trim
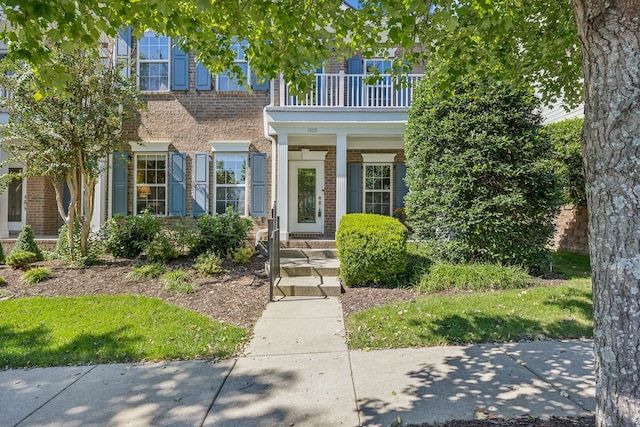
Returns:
(230,146)
(364,183)
(247,77)
(138,60)
(246,180)
(155,147)
(378,157)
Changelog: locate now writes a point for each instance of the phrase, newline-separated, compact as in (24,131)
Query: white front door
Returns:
(306,196)
(15,196)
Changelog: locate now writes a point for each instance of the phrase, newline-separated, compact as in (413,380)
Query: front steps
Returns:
(308,272)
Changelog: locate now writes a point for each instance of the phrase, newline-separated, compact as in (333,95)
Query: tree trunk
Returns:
(610,36)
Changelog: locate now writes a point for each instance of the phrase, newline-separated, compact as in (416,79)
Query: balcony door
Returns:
(16,195)
(306,196)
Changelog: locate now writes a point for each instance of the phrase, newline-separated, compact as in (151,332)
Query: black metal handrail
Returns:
(273,229)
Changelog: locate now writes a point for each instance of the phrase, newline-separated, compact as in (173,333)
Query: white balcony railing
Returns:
(353,90)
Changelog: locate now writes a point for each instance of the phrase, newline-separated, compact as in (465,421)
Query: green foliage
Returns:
(220,233)
(178,281)
(36,275)
(20,259)
(128,237)
(163,248)
(371,248)
(92,329)
(566,138)
(243,255)
(3,281)
(208,264)
(146,271)
(482,187)
(1,254)
(26,242)
(474,277)
(63,252)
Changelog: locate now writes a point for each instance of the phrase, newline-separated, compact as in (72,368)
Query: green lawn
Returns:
(105,329)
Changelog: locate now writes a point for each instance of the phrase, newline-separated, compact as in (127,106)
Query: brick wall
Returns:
(572,230)
(41,208)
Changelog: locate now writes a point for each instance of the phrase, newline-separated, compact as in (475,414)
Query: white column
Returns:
(99,202)
(4,206)
(341,177)
(282,199)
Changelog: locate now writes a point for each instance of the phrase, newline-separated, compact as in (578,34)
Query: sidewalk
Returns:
(298,371)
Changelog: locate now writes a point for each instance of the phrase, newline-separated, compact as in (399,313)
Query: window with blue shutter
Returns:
(401,186)
(179,68)
(120,184)
(355,87)
(200,183)
(203,77)
(258,185)
(177,184)
(354,187)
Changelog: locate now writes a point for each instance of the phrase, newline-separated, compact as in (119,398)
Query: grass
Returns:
(555,312)
(570,265)
(105,329)
(177,281)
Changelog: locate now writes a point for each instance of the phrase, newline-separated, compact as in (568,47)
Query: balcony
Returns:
(354,90)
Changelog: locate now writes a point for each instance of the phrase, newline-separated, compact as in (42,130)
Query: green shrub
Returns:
(208,264)
(3,281)
(566,138)
(163,248)
(146,271)
(178,281)
(479,171)
(220,233)
(474,277)
(184,233)
(1,255)
(36,275)
(371,248)
(128,237)
(94,248)
(26,242)
(243,255)
(20,259)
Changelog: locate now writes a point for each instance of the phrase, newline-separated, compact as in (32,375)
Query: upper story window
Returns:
(227,81)
(154,53)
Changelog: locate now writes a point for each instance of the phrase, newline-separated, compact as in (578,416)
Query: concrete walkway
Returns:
(298,371)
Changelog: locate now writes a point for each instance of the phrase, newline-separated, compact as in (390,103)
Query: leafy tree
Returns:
(563,47)
(482,187)
(67,135)
(566,137)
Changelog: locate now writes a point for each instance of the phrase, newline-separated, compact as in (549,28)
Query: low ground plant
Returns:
(36,275)
(177,281)
(64,253)
(474,277)
(20,258)
(3,281)
(146,271)
(163,248)
(208,264)
(108,329)
(243,255)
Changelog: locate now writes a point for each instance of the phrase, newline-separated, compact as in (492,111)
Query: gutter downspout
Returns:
(272,97)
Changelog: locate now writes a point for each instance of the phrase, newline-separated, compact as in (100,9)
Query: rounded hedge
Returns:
(371,248)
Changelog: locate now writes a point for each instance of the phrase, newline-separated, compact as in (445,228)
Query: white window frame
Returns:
(221,153)
(140,61)
(231,81)
(364,185)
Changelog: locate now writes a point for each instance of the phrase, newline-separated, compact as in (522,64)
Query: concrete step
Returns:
(310,254)
(297,267)
(308,244)
(307,286)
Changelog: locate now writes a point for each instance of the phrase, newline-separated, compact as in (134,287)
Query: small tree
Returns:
(67,133)
(566,137)
(26,241)
(481,185)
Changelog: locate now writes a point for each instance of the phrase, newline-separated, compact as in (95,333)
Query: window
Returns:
(151,183)
(379,93)
(377,189)
(231,179)
(153,62)
(227,81)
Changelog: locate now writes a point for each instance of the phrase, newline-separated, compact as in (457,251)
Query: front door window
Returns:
(15,197)
(306,204)
(307,195)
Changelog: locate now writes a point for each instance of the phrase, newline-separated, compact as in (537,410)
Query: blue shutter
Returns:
(259,85)
(177,184)
(122,50)
(401,186)
(354,188)
(258,185)
(179,68)
(203,77)
(120,184)
(200,183)
(354,97)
